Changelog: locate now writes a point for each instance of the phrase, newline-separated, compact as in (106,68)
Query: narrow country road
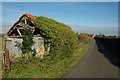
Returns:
(94,64)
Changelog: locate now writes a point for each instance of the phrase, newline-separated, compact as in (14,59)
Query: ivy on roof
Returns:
(62,40)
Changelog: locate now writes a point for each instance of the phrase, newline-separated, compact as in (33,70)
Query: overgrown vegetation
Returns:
(62,40)
(27,43)
(1,43)
(46,68)
(66,49)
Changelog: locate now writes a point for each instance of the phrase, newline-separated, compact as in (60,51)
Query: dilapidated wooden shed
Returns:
(15,34)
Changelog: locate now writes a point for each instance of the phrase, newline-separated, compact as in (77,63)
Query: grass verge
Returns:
(1,47)
(45,68)
(1,43)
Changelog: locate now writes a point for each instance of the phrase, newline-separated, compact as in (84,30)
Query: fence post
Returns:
(7,59)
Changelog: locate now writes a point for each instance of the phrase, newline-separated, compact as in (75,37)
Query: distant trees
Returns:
(100,35)
(1,35)
(105,36)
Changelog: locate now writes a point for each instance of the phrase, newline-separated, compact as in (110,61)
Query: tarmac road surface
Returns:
(94,64)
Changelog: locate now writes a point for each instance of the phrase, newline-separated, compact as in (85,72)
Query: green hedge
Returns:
(62,40)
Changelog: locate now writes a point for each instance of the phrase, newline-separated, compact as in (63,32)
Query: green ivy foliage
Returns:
(27,42)
(62,40)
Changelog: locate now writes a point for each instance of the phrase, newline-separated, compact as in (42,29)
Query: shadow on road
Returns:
(109,52)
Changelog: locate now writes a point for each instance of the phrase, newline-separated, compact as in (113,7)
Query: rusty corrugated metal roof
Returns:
(32,17)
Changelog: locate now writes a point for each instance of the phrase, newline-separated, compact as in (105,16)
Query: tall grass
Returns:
(1,43)
(1,47)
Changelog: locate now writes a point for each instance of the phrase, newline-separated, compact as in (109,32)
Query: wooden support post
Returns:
(4,47)
(33,31)
(3,58)
(19,32)
(7,59)
(25,21)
